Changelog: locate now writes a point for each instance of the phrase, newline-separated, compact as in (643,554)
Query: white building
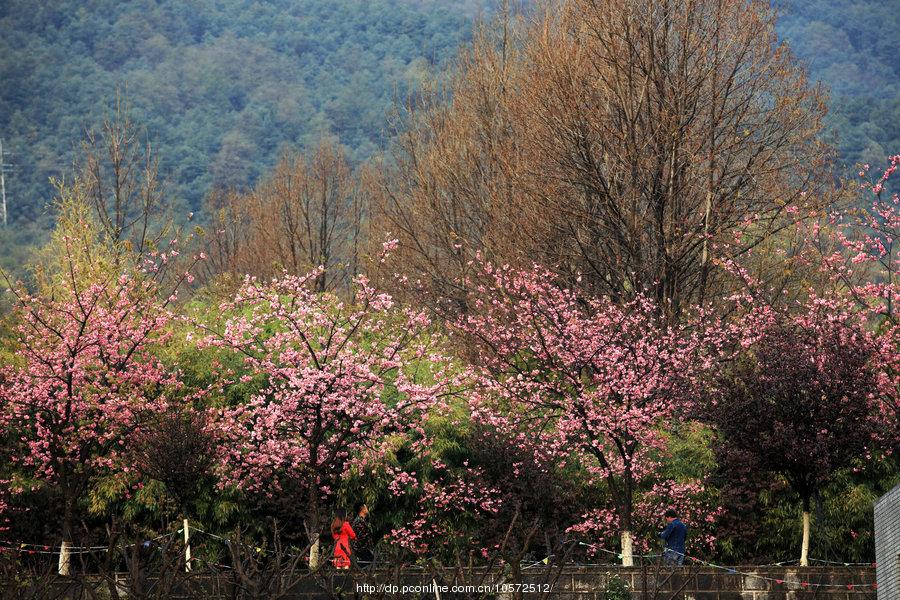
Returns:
(887,545)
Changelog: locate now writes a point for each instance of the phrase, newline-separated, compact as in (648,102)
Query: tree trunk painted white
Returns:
(65,549)
(65,558)
(437,594)
(804,549)
(627,549)
(187,547)
(314,555)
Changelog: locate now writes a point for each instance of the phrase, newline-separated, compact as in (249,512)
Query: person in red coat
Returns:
(342,533)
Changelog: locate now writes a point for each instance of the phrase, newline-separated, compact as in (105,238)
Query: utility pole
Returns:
(3,182)
(5,169)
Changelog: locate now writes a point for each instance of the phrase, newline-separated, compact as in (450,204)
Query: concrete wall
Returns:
(887,545)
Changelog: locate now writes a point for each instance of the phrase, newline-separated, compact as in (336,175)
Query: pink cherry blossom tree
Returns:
(853,257)
(539,493)
(805,398)
(590,377)
(85,380)
(500,503)
(870,237)
(339,383)
(856,247)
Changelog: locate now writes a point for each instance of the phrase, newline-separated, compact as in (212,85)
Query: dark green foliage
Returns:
(851,46)
(616,589)
(762,518)
(221,87)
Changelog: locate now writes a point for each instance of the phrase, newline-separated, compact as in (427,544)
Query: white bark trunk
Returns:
(627,549)
(804,549)
(314,555)
(187,547)
(65,558)
(437,594)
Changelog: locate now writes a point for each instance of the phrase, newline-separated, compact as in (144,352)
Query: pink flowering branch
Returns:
(585,375)
(339,379)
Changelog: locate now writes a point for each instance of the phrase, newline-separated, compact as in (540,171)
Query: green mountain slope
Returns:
(851,46)
(221,86)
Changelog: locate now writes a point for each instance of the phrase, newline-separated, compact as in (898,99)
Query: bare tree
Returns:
(120,176)
(24,579)
(268,572)
(308,212)
(136,568)
(450,189)
(633,142)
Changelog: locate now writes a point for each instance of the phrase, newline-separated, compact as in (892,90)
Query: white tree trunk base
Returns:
(627,549)
(65,558)
(314,555)
(804,549)
(187,547)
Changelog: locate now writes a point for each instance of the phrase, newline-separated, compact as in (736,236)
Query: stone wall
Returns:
(761,583)
(539,583)
(681,583)
(887,544)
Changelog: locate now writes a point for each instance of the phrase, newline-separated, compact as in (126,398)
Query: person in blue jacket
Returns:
(674,535)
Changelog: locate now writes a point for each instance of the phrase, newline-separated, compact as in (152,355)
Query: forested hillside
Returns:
(222,87)
(851,46)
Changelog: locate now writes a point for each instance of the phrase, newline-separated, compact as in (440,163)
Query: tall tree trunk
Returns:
(65,558)
(804,548)
(516,574)
(626,508)
(314,554)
